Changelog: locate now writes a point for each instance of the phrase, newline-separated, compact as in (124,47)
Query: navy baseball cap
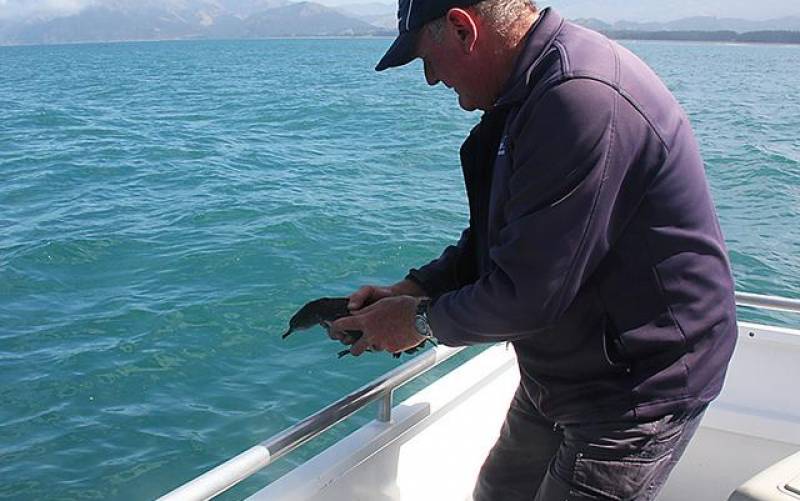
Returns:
(411,16)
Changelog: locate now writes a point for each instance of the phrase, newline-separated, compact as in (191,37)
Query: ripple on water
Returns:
(166,207)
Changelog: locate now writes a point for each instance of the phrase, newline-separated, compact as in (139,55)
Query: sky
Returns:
(23,8)
(607,10)
(668,10)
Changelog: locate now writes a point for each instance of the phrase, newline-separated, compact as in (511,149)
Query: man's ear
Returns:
(465,27)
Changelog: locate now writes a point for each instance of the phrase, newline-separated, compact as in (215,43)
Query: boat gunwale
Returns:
(246,464)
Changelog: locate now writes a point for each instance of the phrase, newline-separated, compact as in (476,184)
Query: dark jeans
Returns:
(537,460)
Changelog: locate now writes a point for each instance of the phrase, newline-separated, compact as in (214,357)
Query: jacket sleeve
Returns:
(453,269)
(570,158)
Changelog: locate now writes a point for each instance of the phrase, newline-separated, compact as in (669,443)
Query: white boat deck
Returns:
(437,439)
(435,443)
(431,446)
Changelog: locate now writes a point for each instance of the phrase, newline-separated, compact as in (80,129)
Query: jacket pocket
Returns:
(612,347)
(616,480)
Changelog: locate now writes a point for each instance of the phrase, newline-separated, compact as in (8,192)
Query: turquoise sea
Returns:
(164,207)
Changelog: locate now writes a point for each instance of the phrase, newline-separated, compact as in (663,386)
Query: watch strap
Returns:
(421,322)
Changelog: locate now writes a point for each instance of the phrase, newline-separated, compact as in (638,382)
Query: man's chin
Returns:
(466,104)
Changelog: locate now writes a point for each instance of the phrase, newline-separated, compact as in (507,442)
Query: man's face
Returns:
(445,61)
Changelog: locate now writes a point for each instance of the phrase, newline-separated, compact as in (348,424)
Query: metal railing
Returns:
(768,302)
(233,471)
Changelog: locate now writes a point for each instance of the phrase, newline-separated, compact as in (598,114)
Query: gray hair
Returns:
(500,14)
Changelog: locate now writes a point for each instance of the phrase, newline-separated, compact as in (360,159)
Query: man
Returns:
(593,246)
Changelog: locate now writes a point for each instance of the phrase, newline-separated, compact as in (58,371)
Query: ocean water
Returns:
(164,207)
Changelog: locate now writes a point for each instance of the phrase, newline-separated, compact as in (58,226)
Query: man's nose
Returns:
(429,76)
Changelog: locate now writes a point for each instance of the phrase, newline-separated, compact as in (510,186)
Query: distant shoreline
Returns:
(755,37)
(189,39)
(750,37)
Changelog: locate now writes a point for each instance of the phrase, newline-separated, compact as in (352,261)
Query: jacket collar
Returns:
(539,39)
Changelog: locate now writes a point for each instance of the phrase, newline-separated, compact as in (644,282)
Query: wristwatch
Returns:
(421,323)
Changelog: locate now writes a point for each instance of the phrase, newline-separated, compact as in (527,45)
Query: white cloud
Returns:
(16,9)
(608,10)
(666,10)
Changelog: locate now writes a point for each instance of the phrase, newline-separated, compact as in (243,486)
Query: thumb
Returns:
(359,297)
(369,308)
(351,323)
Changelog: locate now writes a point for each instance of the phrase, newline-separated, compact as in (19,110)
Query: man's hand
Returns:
(369,294)
(387,325)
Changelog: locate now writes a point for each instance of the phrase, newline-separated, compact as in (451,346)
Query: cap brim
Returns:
(402,51)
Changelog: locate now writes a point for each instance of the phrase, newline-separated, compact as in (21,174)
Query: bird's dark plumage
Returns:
(321,310)
(328,309)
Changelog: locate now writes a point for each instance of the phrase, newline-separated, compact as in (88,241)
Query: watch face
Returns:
(421,325)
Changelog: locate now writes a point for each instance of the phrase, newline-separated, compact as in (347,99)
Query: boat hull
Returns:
(753,424)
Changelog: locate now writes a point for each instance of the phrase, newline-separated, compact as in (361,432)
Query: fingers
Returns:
(338,328)
(333,334)
(344,329)
(367,296)
(360,330)
(361,297)
(361,346)
(368,308)
(345,337)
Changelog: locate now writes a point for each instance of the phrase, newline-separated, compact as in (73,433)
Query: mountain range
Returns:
(697,23)
(117,20)
(662,11)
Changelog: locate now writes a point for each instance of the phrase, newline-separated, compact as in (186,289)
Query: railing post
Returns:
(232,471)
(385,409)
